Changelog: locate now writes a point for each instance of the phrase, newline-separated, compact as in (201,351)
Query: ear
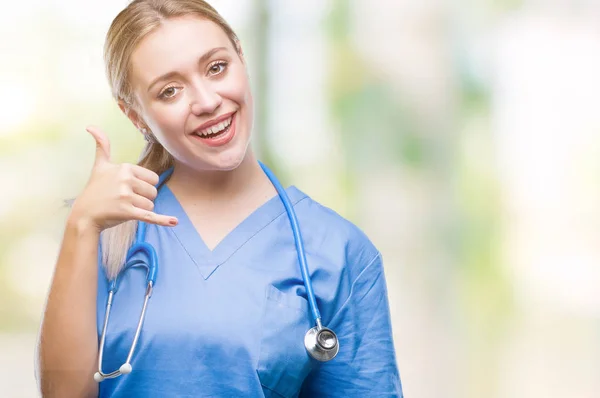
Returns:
(131,114)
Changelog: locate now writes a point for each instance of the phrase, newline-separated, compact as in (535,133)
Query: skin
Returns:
(217,186)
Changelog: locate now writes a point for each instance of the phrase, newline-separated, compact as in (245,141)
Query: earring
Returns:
(148,136)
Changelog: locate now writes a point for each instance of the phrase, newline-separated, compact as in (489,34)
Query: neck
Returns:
(241,183)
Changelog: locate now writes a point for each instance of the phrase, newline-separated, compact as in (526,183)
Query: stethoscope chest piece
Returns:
(321,343)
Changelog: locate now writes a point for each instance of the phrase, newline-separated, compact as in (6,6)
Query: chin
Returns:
(225,159)
(228,161)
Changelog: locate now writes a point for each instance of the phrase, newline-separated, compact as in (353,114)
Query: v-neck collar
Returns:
(208,260)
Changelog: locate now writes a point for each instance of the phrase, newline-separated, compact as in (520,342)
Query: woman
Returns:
(229,310)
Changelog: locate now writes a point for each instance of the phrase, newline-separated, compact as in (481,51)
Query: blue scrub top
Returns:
(231,322)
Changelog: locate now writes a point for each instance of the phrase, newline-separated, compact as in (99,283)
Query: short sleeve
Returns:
(366,363)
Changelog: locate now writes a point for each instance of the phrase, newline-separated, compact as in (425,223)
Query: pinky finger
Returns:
(153,218)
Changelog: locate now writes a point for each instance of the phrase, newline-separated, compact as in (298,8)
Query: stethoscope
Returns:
(320,342)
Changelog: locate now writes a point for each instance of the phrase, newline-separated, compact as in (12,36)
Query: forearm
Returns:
(67,352)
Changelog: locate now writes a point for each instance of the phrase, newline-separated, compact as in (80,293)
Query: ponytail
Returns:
(116,241)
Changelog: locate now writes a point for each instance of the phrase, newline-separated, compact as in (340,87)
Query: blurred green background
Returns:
(461,136)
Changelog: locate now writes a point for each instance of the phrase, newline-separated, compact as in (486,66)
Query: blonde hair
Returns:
(127,30)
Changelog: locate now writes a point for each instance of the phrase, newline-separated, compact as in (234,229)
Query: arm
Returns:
(68,341)
(366,364)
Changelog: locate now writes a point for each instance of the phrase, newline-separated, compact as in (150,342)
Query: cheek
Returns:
(168,120)
(238,91)
(238,87)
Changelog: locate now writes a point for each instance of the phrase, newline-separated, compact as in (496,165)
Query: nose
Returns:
(205,99)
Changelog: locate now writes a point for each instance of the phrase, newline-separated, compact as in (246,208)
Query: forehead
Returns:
(176,45)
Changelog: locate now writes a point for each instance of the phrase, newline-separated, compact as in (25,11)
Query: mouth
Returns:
(218,133)
(216,129)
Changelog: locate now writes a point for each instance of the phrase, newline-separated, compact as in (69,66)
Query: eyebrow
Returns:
(202,59)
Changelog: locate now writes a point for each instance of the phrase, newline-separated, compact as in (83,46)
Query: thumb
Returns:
(102,145)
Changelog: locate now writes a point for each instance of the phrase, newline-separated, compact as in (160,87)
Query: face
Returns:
(193,93)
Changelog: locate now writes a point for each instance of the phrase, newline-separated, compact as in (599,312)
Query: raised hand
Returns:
(116,193)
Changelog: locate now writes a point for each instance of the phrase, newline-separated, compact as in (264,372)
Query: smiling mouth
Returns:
(216,130)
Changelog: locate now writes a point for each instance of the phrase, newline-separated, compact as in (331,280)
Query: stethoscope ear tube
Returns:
(126,367)
(150,278)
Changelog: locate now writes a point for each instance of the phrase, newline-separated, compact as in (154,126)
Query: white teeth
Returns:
(216,128)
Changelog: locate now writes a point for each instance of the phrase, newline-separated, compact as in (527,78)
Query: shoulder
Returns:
(326,230)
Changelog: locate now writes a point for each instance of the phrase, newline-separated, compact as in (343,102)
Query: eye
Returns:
(217,67)
(168,92)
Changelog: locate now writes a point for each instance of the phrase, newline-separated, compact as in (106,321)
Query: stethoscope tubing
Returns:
(298,241)
(315,349)
(141,236)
